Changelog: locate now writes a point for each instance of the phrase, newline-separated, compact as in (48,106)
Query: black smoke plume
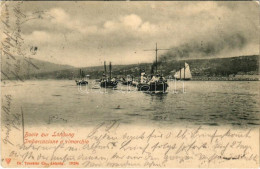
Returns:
(206,49)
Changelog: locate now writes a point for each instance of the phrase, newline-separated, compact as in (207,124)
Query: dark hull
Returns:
(134,84)
(183,79)
(127,83)
(153,87)
(82,83)
(108,84)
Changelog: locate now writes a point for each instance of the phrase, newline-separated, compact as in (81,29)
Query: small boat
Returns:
(184,73)
(134,83)
(128,80)
(156,84)
(143,86)
(83,80)
(108,82)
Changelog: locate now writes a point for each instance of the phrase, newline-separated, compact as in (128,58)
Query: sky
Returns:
(86,33)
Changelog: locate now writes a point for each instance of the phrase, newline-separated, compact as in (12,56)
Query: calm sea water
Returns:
(61,102)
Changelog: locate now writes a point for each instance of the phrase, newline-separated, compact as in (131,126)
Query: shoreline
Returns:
(194,79)
(254,77)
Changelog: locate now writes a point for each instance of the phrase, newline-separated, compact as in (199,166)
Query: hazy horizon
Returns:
(85,33)
(123,64)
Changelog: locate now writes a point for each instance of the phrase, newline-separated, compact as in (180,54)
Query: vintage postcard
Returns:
(121,84)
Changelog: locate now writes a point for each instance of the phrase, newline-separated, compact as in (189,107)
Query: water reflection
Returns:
(156,97)
(204,103)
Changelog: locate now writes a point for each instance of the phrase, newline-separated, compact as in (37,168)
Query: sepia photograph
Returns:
(121,84)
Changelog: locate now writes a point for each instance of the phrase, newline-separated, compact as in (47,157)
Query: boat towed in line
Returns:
(108,82)
(128,80)
(84,78)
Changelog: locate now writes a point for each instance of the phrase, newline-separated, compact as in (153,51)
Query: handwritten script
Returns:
(109,144)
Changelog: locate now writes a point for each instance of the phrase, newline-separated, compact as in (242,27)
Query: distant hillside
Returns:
(244,67)
(95,72)
(217,67)
(27,68)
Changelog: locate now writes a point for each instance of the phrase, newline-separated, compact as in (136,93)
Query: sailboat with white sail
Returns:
(184,73)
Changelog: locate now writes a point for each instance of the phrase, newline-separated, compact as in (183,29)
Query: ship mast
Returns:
(110,70)
(184,70)
(105,67)
(180,71)
(156,51)
(156,57)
